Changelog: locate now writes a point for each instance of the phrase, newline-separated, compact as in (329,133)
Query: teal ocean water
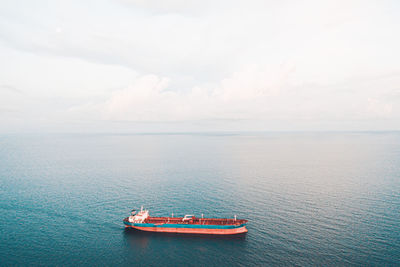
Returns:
(322,199)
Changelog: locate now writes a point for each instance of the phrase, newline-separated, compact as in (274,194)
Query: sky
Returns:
(182,65)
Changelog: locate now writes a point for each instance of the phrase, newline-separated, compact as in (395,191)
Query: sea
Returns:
(310,198)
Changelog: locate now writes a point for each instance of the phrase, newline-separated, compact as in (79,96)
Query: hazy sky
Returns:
(180,65)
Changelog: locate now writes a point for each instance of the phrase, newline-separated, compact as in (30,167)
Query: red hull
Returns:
(193,230)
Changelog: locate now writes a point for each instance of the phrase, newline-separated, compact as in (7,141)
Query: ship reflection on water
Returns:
(142,240)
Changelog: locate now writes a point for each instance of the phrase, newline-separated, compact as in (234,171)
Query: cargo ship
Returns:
(188,224)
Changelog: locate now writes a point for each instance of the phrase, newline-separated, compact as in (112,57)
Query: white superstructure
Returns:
(139,217)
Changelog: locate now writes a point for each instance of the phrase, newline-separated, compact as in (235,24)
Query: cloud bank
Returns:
(251,94)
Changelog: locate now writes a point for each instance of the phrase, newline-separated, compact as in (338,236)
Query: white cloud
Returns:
(379,108)
(171,6)
(246,94)
(254,93)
